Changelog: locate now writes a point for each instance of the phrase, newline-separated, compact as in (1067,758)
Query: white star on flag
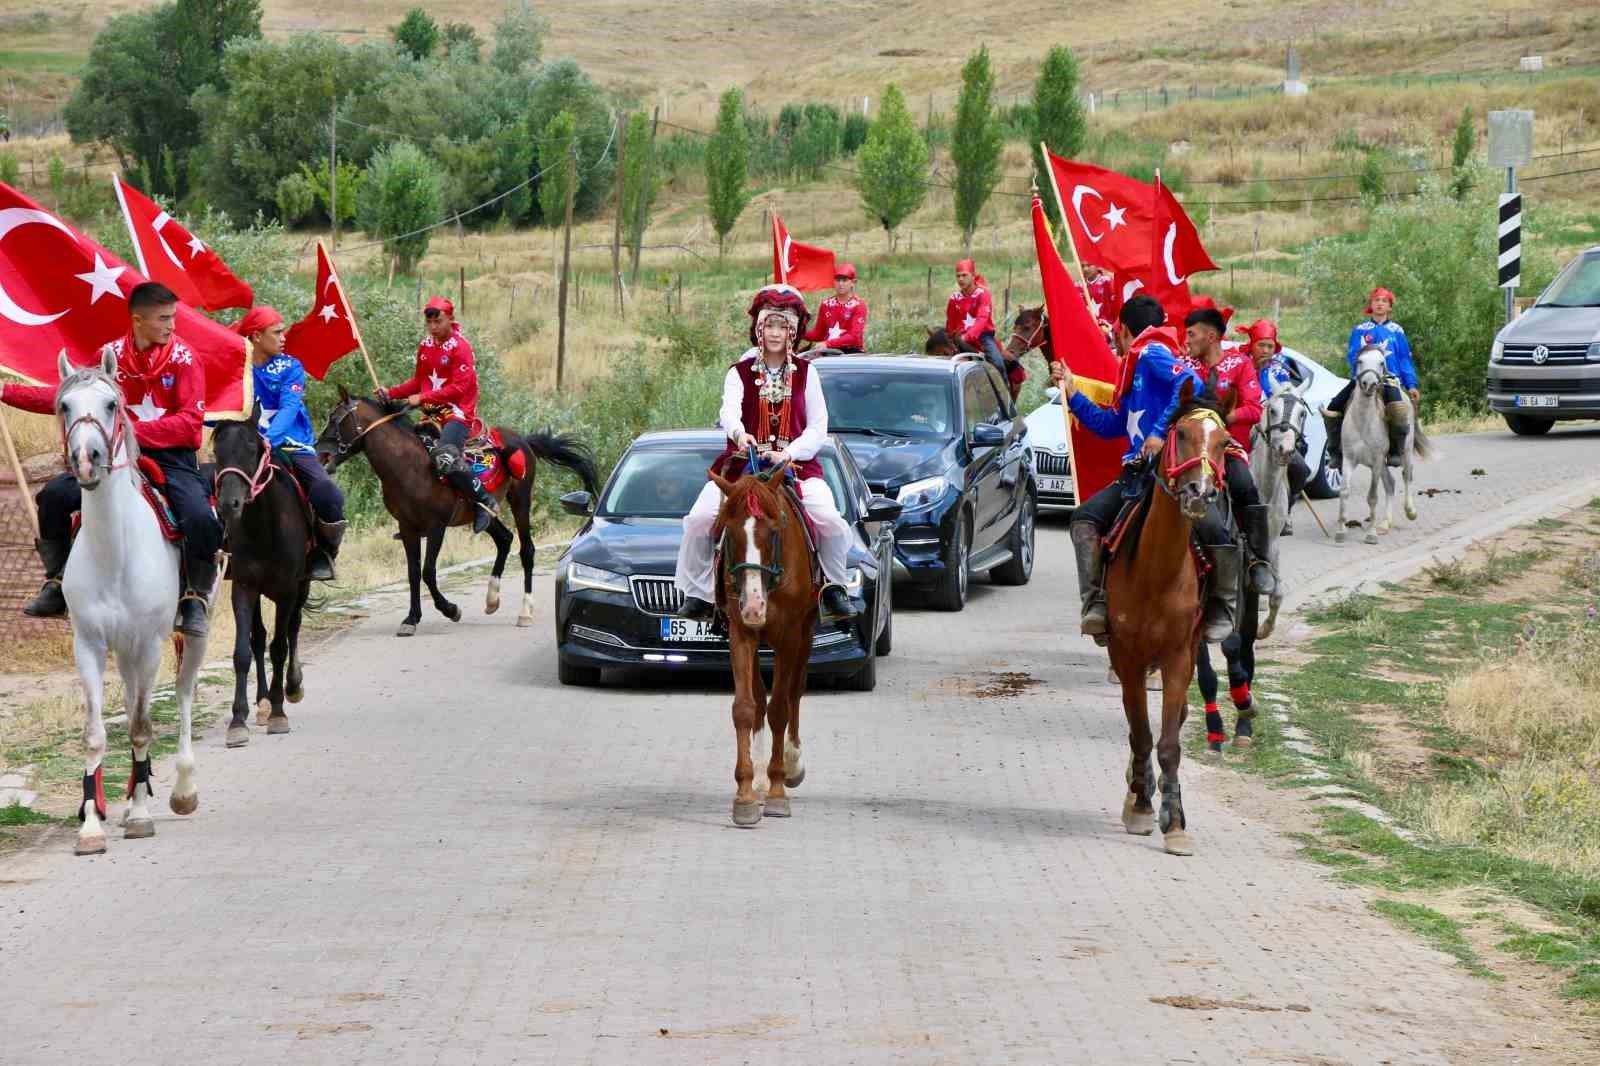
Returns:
(328,313)
(1114,217)
(196,246)
(146,410)
(102,279)
(435,380)
(969,322)
(1134,436)
(834,333)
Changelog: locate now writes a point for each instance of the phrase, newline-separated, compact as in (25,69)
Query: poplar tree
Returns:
(892,165)
(727,163)
(1058,118)
(975,144)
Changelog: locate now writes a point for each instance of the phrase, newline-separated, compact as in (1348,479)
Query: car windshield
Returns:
(1576,286)
(912,405)
(663,482)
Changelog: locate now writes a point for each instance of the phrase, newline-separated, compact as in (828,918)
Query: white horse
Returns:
(1364,437)
(1273,444)
(121,588)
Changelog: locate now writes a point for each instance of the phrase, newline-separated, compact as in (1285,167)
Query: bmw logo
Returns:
(1059,449)
(1540,354)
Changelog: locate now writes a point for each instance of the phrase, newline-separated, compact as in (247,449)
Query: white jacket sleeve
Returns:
(732,414)
(809,442)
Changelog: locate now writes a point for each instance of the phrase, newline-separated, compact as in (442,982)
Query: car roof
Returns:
(668,438)
(930,364)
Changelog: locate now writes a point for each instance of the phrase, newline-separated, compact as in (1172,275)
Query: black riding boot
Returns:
(319,566)
(1397,418)
(452,466)
(1091,579)
(836,605)
(1222,600)
(194,606)
(49,603)
(1333,421)
(696,609)
(1256,529)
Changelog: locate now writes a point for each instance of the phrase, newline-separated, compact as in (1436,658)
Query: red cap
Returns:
(1262,329)
(1374,294)
(845,270)
(255,320)
(439,303)
(966,266)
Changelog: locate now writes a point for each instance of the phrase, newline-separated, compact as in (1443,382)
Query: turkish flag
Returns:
(1108,215)
(59,289)
(328,333)
(804,266)
(1076,340)
(168,253)
(1176,253)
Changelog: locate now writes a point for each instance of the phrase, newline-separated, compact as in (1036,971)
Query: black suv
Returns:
(941,437)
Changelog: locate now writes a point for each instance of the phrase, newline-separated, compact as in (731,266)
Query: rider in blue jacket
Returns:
(280,386)
(1380,331)
(1143,414)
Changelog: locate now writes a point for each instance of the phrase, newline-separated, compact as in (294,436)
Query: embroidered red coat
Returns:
(447,380)
(791,417)
(840,324)
(1233,371)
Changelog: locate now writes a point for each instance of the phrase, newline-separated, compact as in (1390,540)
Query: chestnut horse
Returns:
(1029,330)
(769,594)
(1154,599)
(423,505)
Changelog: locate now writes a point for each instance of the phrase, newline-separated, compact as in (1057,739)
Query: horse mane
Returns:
(93,375)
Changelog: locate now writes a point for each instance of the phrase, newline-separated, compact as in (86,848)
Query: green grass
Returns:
(23,59)
(1439,930)
(1576,955)
(15,815)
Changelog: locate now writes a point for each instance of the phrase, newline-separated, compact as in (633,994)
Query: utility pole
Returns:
(616,232)
(333,167)
(644,197)
(566,264)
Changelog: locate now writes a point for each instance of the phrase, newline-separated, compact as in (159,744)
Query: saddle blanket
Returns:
(483,455)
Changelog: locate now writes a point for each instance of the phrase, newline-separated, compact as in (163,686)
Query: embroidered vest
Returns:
(773,424)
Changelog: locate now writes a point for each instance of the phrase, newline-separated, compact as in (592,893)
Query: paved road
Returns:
(455,860)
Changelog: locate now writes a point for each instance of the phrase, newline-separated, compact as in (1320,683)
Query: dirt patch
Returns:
(992,685)
(1203,1003)
(1397,749)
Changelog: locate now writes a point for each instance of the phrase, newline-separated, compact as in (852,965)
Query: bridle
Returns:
(257,482)
(1173,468)
(113,438)
(1293,421)
(348,410)
(772,575)
(1032,340)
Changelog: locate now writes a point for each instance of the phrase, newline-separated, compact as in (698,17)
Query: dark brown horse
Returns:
(769,594)
(269,537)
(424,506)
(944,343)
(1029,330)
(1154,596)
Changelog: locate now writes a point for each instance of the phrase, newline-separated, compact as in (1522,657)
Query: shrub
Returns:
(10,169)
(461,36)
(854,134)
(417,33)
(348,179)
(1372,182)
(402,195)
(295,198)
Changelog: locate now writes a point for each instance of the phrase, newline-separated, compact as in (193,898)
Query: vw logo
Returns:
(1540,354)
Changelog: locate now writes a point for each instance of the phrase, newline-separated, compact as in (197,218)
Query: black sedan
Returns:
(943,439)
(615,598)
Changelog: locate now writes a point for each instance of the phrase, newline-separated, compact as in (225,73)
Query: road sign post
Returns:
(1510,147)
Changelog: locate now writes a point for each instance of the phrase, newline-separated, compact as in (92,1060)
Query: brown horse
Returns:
(944,343)
(1029,330)
(1154,599)
(424,506)
(769,594)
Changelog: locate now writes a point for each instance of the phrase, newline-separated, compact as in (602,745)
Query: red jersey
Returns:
(970,314)
(840,324)
(1107,300)
(1235,370)
(446,379)
(164,389)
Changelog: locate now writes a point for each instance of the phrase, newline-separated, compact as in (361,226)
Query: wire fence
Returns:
(20,570)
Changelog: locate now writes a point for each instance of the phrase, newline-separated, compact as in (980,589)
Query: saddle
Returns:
(1123,536)
(485,454)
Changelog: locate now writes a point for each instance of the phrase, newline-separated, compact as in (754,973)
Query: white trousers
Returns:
(696,553)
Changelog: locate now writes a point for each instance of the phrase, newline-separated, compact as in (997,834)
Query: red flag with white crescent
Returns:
(170,254)
(1176,252)
(328,333)
(60,289)
(1108,215)
(804,266)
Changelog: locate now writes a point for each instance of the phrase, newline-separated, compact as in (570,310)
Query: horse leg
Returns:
(747,698)
(408,627)
(1371,524)
(185,798)
(1405,474)
(1138,815)
(780,707)
(521,508)
(1345,470)
(139,669)
(1386,500)
(278,722)
(502,548)
(1176,669)
(91,661)
(794,769)
(258,649)
(430,574)
(243,623)
(294,689)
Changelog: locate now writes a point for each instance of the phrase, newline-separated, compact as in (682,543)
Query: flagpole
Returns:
(351,311)
(1066,412)
(22,477)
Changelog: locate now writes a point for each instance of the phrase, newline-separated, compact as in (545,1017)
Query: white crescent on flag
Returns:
(10,219)
(161,220)
(1166,255)
(1078,193)
(788,259)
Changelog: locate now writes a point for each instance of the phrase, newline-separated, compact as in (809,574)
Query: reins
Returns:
(345,447)
(1032,341)
(114,439)
(773,574)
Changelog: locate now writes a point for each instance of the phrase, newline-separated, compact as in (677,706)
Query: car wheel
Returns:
(1523,426)
(864,679)
(572,674)
(950,594)
(1020,568)
(885,641)
(1327,482)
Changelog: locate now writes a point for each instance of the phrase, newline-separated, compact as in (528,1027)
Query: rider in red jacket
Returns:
(969,315)
(842,318)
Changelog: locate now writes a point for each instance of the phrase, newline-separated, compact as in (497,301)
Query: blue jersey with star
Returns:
(1396,349)
(281,388)
(1147,407)
(1273,373)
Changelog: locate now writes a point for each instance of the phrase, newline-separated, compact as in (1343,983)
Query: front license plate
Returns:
(1055,484)
(1537,401)
(687,630)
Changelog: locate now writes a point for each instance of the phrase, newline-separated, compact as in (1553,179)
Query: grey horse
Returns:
(1273,444)
(1365,442)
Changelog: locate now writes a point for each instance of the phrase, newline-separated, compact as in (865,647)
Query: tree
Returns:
(1371,180)
(816,142)
(639,180)
(563,86)
(1058,118)
(559,141)
(854,136)
(975,144)
(417,33)
(461,35)
(295,198)
(349,177)
(400,196)
(518,38)
(893,165)
(727,160)
(1461,155)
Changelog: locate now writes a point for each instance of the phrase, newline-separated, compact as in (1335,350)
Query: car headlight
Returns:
(582,576)
(1593,354)
(852,580)
(921,493)
(1497,351)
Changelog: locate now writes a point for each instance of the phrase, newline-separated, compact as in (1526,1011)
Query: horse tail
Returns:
(1421,442)
(564,450)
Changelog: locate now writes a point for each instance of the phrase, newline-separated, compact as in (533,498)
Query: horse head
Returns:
(753,521)
(1371,366)
(1030,330)
(94,425)
(243,463)
(1283,421)
(1195,451)
(347,424)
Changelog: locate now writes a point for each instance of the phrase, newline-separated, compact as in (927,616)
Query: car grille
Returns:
(656,595)
(1050,464)
(1522,354)
(1544,385)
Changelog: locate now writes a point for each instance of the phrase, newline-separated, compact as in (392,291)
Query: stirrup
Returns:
(827,614)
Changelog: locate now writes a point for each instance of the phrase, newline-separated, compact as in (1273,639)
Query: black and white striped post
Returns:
(1510,146)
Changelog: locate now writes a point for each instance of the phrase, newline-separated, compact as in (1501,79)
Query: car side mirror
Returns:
(987,435)
(882,509)
(578,503)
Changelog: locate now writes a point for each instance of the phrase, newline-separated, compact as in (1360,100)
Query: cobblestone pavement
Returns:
(452,859)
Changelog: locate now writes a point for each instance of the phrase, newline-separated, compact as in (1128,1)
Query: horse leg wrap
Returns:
(1216,733)
(1241,696)
(93,792)
(1172,805)
(140,775)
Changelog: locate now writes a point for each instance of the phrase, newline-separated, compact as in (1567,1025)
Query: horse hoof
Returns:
(1370,538)
(1177,842)
(1136,823)
(294,695)
(407,629)
(90,845)
(452,612)
(747,815)
(263,708)
(238,736)
(279,724)
(525,621)
(139,829)
(491,606)
(776,807)
(183,804)
(796,780)
(1411,514)
(1243,743)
